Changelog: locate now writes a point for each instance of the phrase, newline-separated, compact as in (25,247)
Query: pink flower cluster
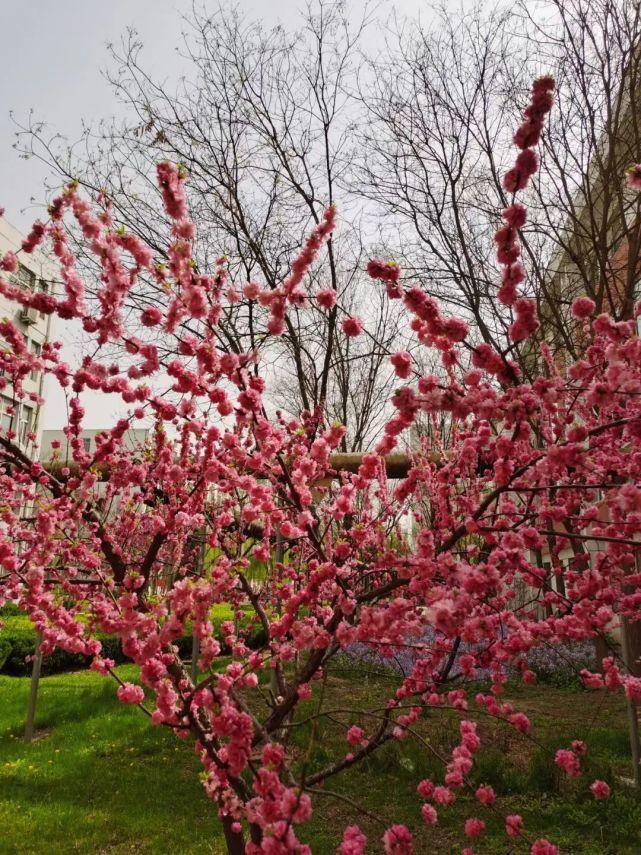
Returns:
(633,176)
(291,293)
(389,273)
(529,133)
(130,694)
(569,761)
(224,492)
(508,247)
(171,180)
(353,842)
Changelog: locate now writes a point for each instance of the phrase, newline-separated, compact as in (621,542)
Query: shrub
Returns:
(18,645)
(9,610)
(5,650)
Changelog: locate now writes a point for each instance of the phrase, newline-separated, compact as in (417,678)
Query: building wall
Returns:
(132,439)
(599,244)
(36,271)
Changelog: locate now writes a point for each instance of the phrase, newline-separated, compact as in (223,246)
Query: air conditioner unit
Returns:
(29,315)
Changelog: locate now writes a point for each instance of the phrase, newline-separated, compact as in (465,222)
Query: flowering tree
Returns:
(321,562)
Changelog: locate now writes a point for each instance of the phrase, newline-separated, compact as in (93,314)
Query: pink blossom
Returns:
(513,825)
(474,827)
(171,180)
(304,691)
(388,271)
(513,275)
(102,666)
(353,842)
(515,215)
(520,721)
(151,316)
(600,790)
(526,322)
(514,180)
(583,307)
(569,762)
(527,162)
(425,788)
(128,693)
(276,326)
(252,290)
(9,262)
(546,83)
(633,176)
(543,847)
(326,298)
(486,795)
(304,260)
(526,165)
(508,249)
(352,326)
(355,735)
(455,329)
(444,796)
(529,133)
(429,814)
(34,238)
(402,363)
(397,840)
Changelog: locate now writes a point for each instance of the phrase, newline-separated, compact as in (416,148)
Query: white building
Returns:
(133,439)
(36,271)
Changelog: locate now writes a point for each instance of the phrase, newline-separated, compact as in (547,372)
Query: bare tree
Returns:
(445,100)
(262,121)
(590,219)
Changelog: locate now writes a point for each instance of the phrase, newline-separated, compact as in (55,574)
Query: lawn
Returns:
(101,779)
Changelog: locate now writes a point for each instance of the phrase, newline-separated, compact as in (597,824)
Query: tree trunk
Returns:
(235,840)
(631,707)
(33,693)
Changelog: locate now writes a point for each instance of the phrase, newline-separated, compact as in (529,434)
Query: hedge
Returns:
(18,643)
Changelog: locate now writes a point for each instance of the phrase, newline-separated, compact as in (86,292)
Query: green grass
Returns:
(522,772)
(20,622)
(15,623)
(102,780)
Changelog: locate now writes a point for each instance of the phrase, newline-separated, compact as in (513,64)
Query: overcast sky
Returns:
(54,53)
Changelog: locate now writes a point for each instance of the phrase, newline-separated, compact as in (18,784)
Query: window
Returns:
(24,277)
(6,417)
(25,423)
(36,348)
(16,417)
(86,442)
(637,298)
(43,286)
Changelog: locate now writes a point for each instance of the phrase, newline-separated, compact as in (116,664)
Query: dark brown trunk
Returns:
(235,840)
